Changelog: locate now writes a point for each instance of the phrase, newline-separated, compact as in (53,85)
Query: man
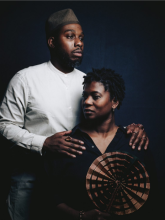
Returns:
(41,105)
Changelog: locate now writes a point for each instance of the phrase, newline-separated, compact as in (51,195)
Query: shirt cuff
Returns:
(37,143)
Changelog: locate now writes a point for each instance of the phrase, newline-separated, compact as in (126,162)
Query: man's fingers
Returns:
(65,132)
(71,149)
(70,139)
(136,141)
(137,138)
(74,143)
(75,146)
(143,139)
(67,153)
(132,127)
(133,138)
(77,141)
(62,133)
(129,130)
(140,125)
(146,144)
(141,144)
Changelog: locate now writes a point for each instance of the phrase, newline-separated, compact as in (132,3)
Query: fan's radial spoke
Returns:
(101,175)
(118,182)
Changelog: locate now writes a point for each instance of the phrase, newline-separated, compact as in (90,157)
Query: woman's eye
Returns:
(84,97)
(96,97)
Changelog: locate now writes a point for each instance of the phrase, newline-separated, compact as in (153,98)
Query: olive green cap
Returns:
(59,19)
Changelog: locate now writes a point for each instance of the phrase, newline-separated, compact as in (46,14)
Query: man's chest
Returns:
(53,95)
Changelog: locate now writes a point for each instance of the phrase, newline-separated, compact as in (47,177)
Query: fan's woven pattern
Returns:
(117,183)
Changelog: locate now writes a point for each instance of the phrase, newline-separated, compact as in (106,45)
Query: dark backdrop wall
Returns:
(125,36)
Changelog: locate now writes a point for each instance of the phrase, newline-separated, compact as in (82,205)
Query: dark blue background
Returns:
(125,36)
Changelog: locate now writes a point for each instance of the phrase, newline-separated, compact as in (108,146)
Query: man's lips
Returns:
(77,53)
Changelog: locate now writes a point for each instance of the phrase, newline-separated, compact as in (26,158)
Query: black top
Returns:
(68,175)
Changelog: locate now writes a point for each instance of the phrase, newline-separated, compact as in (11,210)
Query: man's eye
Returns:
(81,38)
(70,36)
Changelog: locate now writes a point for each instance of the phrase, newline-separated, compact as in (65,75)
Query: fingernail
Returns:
(130,144)
(74,156)
(133,147)
(80,152)
(139,148)
(84,148)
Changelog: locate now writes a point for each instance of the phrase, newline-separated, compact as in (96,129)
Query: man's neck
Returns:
(60,67)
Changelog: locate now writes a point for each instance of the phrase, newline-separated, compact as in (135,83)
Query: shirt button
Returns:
(92,146)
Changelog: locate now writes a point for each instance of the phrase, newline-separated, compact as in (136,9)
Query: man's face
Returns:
(70,45)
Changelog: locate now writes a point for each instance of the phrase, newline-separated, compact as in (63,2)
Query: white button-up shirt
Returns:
(39,102)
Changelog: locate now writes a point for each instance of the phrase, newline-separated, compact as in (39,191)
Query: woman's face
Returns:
(96,102)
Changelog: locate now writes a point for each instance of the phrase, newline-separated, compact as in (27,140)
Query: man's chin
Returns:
(67,61)
(74,63)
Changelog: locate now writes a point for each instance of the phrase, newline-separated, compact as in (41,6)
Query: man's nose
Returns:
(78,42)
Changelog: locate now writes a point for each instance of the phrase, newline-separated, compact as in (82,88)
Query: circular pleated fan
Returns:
(117,183)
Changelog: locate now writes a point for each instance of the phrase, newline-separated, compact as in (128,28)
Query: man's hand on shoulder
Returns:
(139,137)
(62,143)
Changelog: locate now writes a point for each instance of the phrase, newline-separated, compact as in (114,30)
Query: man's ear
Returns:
(115,104)
(51,42)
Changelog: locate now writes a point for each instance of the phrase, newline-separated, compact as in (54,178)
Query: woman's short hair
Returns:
(112,82)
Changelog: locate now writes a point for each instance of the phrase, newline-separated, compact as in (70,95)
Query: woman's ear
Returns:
(51,42)
(115,104)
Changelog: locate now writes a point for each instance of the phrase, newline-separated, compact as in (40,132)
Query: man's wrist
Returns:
(45,144)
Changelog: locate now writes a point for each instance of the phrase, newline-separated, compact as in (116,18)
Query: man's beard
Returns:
(65,60)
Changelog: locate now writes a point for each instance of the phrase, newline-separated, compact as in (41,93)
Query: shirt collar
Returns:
(55,70)
(75,129)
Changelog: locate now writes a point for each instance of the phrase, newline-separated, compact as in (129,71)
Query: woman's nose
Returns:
(88,101)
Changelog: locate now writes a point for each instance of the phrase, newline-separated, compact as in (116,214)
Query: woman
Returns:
(104,92)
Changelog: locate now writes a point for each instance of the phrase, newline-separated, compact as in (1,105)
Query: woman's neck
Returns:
(100,127)
(102,133)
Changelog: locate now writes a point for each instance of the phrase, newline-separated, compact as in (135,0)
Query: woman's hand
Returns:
(62,143)
(95,214)
(139,136)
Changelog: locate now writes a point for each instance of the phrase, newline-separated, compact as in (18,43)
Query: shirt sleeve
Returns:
(12,113)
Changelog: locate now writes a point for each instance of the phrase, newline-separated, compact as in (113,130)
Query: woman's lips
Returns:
(88,111)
